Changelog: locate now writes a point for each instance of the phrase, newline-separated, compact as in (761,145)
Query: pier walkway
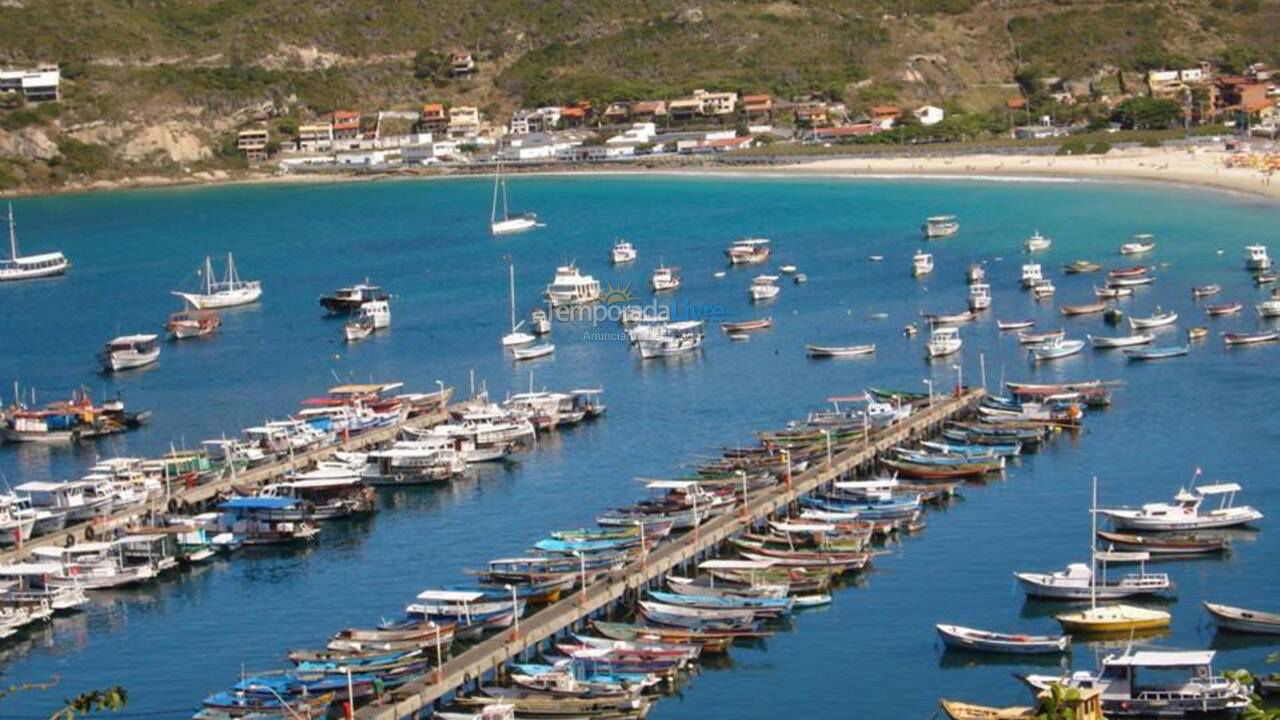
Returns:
(103,527)
(486,656)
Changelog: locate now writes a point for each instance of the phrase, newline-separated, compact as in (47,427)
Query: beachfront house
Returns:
(253,143)
(651,110)
(346,125)
(464,121)
(617,112)
(884,116)
(433,119)
(316,137)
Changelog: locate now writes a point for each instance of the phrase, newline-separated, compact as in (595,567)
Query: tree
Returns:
(1145,113)
(108,700)
(432,66)
(1059,703)
(1256,710)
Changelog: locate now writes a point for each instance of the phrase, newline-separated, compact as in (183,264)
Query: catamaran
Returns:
(18,267)
(229,292)
(508,224)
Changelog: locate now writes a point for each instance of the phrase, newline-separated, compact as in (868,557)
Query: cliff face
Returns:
(157,86)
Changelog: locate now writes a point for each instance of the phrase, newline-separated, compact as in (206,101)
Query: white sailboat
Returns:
(17,267)
(508,224)
(228,292)
(515,337)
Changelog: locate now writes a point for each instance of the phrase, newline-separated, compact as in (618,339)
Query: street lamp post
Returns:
(959,378)
(439,653)
(929,382)
(582,567)
(743,474)
(515,611)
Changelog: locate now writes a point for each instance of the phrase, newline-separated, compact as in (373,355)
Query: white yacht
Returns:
(921,263)
(944,341)
(571,287)
(623,252)
(748,251)
(1256,257)
(764,287)
(507,224)
(1076,582)
(17,267)
(228,292)
(664,278)
(979,297)
(1037,242)
(1031,274)
(674,338)
(1185,512)
(515,337)
(940,226)
(130,351)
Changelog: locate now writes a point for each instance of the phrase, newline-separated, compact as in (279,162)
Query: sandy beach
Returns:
(1199,166)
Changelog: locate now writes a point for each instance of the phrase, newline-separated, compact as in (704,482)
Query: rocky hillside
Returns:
(158,86)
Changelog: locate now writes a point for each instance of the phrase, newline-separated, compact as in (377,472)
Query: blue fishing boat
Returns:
(973,451)
(574,547)
(1158,352)
(782,604)
(898,507)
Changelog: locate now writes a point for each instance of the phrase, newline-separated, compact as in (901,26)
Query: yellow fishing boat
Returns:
(1087,704)
(1114,619)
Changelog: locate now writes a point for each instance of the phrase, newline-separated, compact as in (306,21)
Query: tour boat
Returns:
(1037,242)
(1112,292)
(1185,512)
(130,351)
(193,323)
(571,287)
(1083,309)
(1138,244)
(764,287)
(344,301)
(1159,319)
(1055,348)
(963,638)
(1156,353)
(664,279)
(1031,274)
(1256,257)
(623,252)
(91,566)
(921,263)
(748,251)
(940,226)
(943,341)
(539,321)
(1127,693)
(1200,291)
(1043,289)
(507,224)
(228,292)
(1014,324)
(1242,620)
(826,351)
(18,267)
(1100,341)
(1229,308)
(1268,308)
(533,352)
(674,338)
(1081,266)
(1231,338)
(979,297)
(515,337)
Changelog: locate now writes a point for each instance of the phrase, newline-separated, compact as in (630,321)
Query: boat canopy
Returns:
(43,486)
(450,595)
(83,548)
(847,398)
(787,527)
(868,485)
(736,565)
(258,503)
(1117,556)
(133,339)
(322,482)
(365,388)
(1218,489)
(1163,658)
(671,484)
(17,569)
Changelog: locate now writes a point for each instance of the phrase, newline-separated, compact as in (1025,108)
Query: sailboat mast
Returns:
(1093,546)
(208,275)
(231,270)
(512,267)
(497,178)
(13,236)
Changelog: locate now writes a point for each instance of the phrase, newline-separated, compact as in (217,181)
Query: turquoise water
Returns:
(873,652)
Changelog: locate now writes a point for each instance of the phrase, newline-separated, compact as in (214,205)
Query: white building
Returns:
(639,133)
(430,153)
(929,114)
(536,146)
(36,85)
(590,153)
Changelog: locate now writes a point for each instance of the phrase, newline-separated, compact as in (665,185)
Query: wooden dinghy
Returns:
(829,351)
(1083,309)
(1229,308)
(747,325)
(963,638)
(965,711)
(1231,338)
(1242,620)
(1015,324)
(1027,338)
(1084,704)
(1112,292)
(1165,544)
(1200,291)
(531,353)
(1100,341)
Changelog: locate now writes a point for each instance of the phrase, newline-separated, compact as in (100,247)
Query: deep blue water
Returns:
(873,652)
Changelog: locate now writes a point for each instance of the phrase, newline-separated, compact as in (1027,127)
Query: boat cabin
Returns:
(1031,274)
(571,287)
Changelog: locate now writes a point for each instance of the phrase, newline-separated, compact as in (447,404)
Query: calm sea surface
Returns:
(873,654)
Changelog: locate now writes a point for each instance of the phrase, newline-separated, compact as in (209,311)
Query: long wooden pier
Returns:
(103,527)
(416,699)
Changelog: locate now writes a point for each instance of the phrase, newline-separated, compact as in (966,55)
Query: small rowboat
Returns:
(967,711)
(1084,309)
(1156,353)
(1130,281)
(1081,266)
(1136,271)
(963,638)
(1265,278)
(1166,544)
(952,319)
(1231,338)
(1057,348)
(1227,617)
(746,325)
(1159,319)
(1136,248)
(534,352)
(1112,292)
(1100,341)
(1230,308)
(827,351)
(1015,324)
(1197,333)
(1027,338)
(1205,290)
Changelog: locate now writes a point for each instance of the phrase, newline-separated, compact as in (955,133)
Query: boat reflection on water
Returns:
(1033,609)
(1228,640)
(950,659)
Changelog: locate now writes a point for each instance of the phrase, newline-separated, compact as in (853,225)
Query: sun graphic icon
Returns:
(617,295)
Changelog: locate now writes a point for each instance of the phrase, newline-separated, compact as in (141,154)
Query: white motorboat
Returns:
(764,287)
(44,520)
(831,351)
(1100,341)
(571,287)
(130,351)
(1159,319)
(748,251)
(940,226)
(1055,348)
(1186,511)
(1037,242)
(787,269)
(18,267)
(1031,274)
(623,252)
(664,278)
(15,528)
(943,341)
(507,224)
(979,297)
(539,321)
(1138,244)
(66,497)
(1077,582)
(1268,308)
(1043,289)
(1194,691)
(533,352)
(1256,257)
(92,566)
(373,315)
(412,464)
(515,337)
(24,584)
(357,329)
(228,292)
(669,339)
(921,263)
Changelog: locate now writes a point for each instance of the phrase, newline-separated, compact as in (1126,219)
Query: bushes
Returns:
(1151,143)
(28,116)
(1073,147)
(80,158)
(1100,148)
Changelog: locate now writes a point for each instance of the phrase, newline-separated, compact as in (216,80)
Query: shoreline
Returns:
(1196,169)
